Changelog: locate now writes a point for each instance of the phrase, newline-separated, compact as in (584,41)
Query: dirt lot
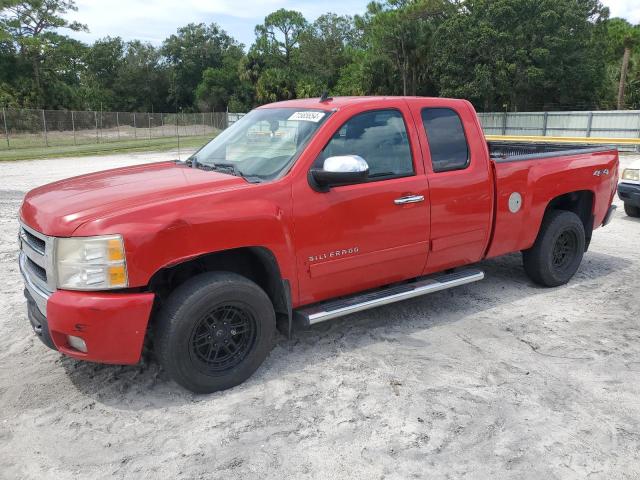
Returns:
(499,379)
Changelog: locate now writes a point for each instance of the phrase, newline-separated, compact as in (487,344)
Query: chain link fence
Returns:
(48,128)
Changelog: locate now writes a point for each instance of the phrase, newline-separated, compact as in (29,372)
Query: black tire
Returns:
(631,210)
(558,251)
(206,319)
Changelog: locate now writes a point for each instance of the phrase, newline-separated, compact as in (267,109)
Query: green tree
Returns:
(622,40)
(33,26)
(103,62)
(398,37)
(352,77)
(273,61)
(525,54)
(190,52)
(222,88)
(125,76)
(142,81)
(278,38)
(326,47)
(59,71)
(274,85)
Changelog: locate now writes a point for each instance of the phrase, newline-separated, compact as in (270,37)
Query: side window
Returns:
(447,141)
(380,137)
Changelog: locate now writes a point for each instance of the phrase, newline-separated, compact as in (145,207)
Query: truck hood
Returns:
(59,208)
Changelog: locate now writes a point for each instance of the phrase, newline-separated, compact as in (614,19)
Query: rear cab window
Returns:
(448,144)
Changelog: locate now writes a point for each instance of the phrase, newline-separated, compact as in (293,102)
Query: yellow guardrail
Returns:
(586,140)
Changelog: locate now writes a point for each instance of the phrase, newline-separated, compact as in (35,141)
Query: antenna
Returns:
(325,97)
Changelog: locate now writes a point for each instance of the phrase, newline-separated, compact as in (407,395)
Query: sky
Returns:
(155,20)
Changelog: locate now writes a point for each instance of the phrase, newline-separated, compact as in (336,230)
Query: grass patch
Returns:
(155,144)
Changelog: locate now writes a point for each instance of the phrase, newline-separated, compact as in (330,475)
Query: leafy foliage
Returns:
(514,54)
(190,52)
(525,54)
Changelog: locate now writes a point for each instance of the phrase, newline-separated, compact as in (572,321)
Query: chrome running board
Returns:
(321,312)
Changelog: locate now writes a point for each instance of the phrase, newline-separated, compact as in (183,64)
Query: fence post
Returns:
(149,116)
(73,126)
(44,126)
(589,124)
(545,122)
(638,146)
(6,130)
(204,126)
(135,135)
(504,124)
(178,134)
(118,124)
(95,118)
(161,125)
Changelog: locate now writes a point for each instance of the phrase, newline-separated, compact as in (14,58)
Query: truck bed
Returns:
(511,152)
(519,170)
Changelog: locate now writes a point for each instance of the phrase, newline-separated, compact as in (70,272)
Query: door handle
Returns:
(409,199)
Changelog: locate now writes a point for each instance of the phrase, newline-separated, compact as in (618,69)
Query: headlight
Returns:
(91,263)
(631,174)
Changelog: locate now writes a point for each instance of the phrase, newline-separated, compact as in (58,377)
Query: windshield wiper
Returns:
(226,167)
(222,167)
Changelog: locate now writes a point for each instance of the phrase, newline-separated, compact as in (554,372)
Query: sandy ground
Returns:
(499,379)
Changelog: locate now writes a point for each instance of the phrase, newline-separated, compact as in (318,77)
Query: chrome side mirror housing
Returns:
(339,170)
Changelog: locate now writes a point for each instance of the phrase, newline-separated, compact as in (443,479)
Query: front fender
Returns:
(166,234)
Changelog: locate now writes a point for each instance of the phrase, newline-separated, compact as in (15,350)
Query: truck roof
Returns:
(338,102)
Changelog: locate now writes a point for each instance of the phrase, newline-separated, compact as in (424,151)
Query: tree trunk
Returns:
(414,82)
(623,77)
(404,77)
(403,66)
(36,78)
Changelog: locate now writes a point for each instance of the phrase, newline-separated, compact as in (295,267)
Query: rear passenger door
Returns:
(460,182)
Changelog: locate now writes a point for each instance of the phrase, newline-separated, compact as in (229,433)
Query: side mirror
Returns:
(341,170)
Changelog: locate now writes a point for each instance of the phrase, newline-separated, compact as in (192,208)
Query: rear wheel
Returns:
(214,331)
(558,251)
(631,210)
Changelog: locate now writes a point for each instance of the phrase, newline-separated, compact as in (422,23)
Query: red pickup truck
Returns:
(303,211)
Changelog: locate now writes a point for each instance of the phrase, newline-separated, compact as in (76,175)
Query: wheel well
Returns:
(580,203)
(255,263)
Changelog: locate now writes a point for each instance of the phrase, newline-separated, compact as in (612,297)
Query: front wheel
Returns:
(214,331)
(558,251)
(631,210)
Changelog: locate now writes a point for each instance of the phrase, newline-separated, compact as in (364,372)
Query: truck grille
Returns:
(37,270)
(37,250)
(36,243)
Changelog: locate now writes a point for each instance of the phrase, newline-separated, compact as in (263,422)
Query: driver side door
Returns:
(365,235)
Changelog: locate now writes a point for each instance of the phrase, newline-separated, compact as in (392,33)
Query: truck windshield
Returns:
(260,145)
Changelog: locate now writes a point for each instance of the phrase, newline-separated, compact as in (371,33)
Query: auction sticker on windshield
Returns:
(307,116)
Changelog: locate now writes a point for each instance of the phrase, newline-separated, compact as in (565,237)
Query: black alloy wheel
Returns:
(222,338)
(557,252)
(214,331)
(564,250)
